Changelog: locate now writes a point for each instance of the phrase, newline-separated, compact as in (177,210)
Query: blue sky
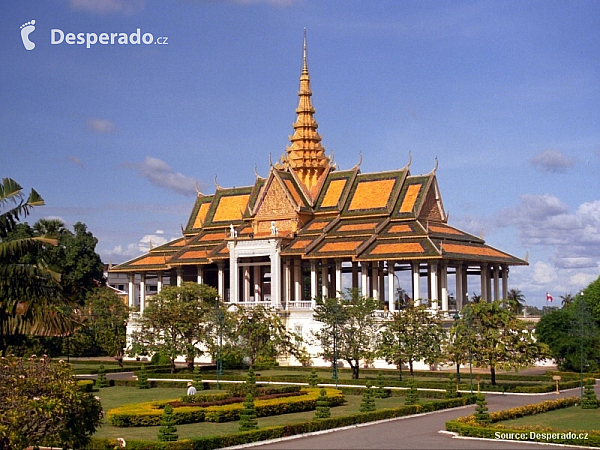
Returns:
(505,94)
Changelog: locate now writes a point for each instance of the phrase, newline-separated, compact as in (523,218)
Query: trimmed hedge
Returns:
(467,426)
(262,434)
(149,413)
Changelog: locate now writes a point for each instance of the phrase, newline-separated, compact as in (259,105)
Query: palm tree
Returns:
(31,300)
(516,301)
(567,299)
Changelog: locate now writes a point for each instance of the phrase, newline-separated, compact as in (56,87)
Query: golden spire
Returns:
(306,156)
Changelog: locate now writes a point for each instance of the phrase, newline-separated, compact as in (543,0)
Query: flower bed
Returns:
(468,426)
(150,413)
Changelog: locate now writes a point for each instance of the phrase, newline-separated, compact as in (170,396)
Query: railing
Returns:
(303,304)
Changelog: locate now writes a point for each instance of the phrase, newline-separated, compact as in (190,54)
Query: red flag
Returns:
(549,297)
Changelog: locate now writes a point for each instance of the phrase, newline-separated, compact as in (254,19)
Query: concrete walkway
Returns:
(424,431)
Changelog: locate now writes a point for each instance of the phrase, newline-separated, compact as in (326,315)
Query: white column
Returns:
(504,281)
(221,280)
(338,278)
(246,292)
(159,282)
(375,280)
(275,275)
(459,286)
(257,284)
(484,283)
(391,287)
(444,286)
(416,272)
(179,276)
(496,282)
(465,284)
(433,285)
(381,282)
(297,280)
(313,282)
(200,272)
(364,272)
(287,282)
(324,279)
(142,291)
(234,275)
(131,293)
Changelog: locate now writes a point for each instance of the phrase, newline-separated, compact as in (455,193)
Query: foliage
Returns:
(413,334)
(198,384)
(573,330)
(105,319)
(248,415)
(349,329)
(412,394)
(142,378)
(42,405)
(481,410)
(502,340)
(515,301)
(368,402)
(31,297)
(323,411)
(451,389)
(167,430)
(313,379)
(259,335)
(101,380)
(175,322)
(380,391)
(251,387)
(589,401)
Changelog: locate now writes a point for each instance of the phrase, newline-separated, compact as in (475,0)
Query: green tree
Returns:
(31,298)
(412,394)
(260,335)
(349,329)
(323,410)
(175,322)
(566,299)
(142,378)
(501,340)
(167,431)
(481,410)
(313,379)
(413,334)
(568,331)
(367,403)
(101,380)
(106,315)
(589,401)
(515,301)
(42,405)
(248,415)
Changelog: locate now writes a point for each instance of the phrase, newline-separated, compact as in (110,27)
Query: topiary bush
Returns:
(248,415)
(323,410)
(367,403)
(167,430)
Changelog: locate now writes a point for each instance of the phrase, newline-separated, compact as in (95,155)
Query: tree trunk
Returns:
(172,364)
(355,369)
(493,373)
(400,371)
(410,366)
(190,363)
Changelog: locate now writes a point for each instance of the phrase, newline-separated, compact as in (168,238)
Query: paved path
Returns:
(416,432)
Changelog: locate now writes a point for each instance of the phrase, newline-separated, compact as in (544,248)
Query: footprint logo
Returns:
(26,30)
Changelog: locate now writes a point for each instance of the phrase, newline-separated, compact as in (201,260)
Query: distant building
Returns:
(309,229)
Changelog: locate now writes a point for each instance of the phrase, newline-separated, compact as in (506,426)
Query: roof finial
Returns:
(304,58)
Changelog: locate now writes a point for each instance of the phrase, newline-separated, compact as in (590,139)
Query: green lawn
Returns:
(117,396)
(573,418)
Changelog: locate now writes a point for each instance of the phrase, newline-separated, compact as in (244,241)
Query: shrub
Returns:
(248,415)
(589,401)
(167,430)
(481,411)
(101,380)
(368,402)
(412,395)
(142,381)
(313,379)
(323,410)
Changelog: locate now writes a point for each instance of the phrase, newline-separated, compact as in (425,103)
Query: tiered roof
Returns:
(321,212)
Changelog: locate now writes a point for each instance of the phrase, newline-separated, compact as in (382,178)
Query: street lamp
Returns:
(581,349)
(219,343)
(456,318)
(469,325)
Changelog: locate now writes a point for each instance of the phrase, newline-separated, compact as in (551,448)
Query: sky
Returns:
(505,94)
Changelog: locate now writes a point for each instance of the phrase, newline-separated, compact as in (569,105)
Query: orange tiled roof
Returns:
(334,191)
(397,247)
(470,250)
(149,261)
(344,246)
(231,207)
(410,198)
(371,194)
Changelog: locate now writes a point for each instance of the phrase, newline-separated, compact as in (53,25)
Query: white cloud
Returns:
(102,7)
(102,126)
(543,273)
(150,241)
(552,160)
(75,160)
(159,173)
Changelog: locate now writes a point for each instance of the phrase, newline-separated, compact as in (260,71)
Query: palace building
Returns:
(310,229)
